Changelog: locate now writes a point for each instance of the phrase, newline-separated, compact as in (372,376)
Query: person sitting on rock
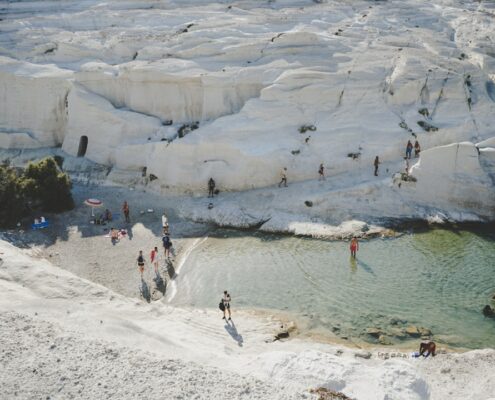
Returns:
(211,187)
(427,348)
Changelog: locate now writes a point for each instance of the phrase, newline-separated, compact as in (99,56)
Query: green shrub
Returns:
(13,205)
(47,187)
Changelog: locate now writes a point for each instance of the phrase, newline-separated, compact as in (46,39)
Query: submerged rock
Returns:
(375,332)
(413,331)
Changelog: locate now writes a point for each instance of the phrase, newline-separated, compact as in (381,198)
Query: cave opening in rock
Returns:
(83,146)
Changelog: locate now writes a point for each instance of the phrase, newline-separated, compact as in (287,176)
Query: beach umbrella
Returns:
(93,203)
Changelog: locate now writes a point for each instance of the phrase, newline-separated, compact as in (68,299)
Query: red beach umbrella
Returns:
(93,203)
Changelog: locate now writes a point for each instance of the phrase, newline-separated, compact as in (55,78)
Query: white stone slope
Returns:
(365,76)
(65,337)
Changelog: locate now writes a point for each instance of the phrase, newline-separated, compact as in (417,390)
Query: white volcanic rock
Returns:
(33,102)
(451,176)
(106,129)
(368,76)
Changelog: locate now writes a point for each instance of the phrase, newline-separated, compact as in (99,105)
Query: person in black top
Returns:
(211,187)
(140,263)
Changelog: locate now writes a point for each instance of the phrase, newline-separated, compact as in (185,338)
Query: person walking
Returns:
(376,164)
(140,263)
(167,244)
(417,149)
(125,210)
(226,303)
(154,258)
(283,176)
(354,247)
(211,187)
(321,173)
(409,148)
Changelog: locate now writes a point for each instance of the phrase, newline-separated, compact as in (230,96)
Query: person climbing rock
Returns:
(417,149)
(409,148)
(226,303)
(321,173)
(283,176)
(376,163)
(140,263)
(354,247)
(211,187)
(125,210)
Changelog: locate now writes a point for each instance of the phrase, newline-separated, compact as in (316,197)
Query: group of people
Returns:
(409,149)
(155,256)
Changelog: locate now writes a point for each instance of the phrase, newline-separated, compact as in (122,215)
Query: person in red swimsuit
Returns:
(354,246)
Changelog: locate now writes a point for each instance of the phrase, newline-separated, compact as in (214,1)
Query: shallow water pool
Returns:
(439,280)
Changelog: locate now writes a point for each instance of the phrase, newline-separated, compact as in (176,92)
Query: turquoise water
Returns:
(439,280)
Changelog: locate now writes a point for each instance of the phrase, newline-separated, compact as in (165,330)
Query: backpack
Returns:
(221,306)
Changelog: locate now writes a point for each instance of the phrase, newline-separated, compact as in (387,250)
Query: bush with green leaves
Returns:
(13,205)
(41,186)
(47,187)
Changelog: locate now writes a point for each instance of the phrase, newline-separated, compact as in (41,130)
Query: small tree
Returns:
(47,187)
(13,205)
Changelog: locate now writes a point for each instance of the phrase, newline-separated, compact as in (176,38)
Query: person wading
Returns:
(354,247)
(125,210)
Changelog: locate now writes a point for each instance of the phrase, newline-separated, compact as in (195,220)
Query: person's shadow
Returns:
(366,267)
(232,330)
(129,232)
(145,291)
(171,269)
(160,284)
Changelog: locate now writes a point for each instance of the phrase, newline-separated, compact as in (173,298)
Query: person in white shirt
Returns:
(165,223)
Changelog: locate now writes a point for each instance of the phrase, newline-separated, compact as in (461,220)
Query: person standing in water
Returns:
(140,263)
(321,172)
(354,247)
(376,164)
(125,210)
(226,302)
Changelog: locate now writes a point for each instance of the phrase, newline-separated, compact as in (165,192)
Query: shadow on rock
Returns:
(232,330)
